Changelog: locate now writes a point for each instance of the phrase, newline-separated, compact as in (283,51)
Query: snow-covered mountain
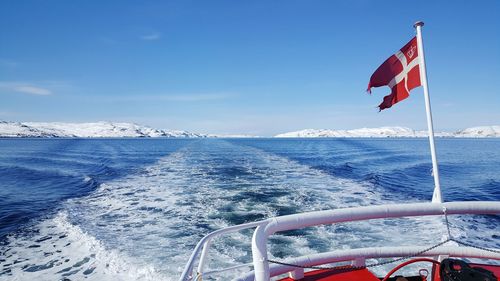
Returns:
(87,130)
(233,136)
(117,130)
(475,132)
(478,132)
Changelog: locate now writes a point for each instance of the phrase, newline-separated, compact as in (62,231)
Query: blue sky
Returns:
(254,67)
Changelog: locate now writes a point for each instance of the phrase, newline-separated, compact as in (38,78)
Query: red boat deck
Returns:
(365,275)
(329,275)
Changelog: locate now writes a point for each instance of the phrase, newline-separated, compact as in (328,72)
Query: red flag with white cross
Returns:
(400,72)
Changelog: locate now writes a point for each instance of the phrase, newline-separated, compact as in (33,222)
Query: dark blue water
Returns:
(469,168)
(37,174)
(134,208)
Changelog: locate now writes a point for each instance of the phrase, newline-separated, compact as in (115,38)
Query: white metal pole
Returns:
(436,196)
(203,257)
(259,254)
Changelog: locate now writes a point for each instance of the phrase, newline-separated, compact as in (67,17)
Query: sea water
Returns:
(133,209)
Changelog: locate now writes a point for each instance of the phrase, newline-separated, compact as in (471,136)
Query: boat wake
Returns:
(144,226)
(59,249)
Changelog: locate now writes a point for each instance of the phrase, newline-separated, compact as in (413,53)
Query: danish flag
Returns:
(400,72)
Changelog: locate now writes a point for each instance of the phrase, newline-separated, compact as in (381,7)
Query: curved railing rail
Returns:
(358,256)
(265,228)
(203,246)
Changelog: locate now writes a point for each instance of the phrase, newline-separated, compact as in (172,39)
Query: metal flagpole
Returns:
(436,196)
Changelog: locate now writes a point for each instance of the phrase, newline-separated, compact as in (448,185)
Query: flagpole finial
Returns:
(418,23)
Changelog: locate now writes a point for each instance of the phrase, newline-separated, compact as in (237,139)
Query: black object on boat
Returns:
(458,270)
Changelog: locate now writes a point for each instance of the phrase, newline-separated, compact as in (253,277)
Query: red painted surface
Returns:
(435,273)
(329,275)
(365,275)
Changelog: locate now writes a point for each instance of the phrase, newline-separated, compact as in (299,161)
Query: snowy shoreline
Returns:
(129,130)
(396,132)
(87,130)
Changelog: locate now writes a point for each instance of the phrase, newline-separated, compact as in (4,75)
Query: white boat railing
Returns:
(203,246)
(359,255)
(262,270)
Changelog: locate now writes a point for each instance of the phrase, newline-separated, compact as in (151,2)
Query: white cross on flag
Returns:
(400,72)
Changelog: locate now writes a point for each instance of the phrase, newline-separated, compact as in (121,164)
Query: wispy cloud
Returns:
(173,98)
(196,97)
(151,36)
(8,63)
(26,88)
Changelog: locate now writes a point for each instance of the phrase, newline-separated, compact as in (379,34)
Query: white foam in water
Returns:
(62,250)
(144,226)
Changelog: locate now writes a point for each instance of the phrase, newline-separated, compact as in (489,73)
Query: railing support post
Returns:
(297,274)
(359,262)
(259,254)
(203,257)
